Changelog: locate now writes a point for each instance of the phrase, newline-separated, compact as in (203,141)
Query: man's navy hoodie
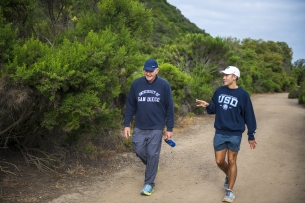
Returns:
(151,103)
(234,110)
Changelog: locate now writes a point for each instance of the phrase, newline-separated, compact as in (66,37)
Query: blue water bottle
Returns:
(170,142)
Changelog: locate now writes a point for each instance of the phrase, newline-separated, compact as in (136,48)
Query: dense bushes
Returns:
(65,82)
(302,93)
(298,75)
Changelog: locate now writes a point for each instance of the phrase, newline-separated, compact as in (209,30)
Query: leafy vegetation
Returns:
(298,74)
(66,67)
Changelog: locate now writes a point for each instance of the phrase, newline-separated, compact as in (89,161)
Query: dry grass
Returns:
(79,169)
(3,168)
(182,123)
(10,182)
(7,197)
(60,186)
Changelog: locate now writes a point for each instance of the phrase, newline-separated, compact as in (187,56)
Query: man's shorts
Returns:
(231,142)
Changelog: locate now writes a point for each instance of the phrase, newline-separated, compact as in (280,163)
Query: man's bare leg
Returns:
(232,168)
(220,157)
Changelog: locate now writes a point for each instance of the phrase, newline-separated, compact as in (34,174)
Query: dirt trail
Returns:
(274,172)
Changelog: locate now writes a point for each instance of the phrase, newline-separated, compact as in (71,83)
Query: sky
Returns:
(275,20)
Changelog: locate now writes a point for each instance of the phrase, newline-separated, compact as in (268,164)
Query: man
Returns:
(150,100)
(234,110)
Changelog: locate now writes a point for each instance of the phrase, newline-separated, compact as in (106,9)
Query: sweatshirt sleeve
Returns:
(131,106)
(250,119)
(211,108)
(169,110)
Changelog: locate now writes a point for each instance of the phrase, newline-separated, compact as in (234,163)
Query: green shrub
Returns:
(302,93)
(294,93)
(177,79)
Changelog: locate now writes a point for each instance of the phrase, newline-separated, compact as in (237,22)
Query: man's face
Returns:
(229,79)
(151,75)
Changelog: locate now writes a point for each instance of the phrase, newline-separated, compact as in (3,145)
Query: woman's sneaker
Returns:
(147,190)
(229,197)
(226,184)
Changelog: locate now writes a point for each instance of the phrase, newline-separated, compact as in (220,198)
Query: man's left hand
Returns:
(252,144)
(168,135)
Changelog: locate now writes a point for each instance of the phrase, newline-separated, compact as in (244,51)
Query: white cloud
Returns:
(276,20)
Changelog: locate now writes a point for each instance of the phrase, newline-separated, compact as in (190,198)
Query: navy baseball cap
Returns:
(150,65)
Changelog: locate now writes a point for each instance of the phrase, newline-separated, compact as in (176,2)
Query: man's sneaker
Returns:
(229,197)
(147,190)
(226,184)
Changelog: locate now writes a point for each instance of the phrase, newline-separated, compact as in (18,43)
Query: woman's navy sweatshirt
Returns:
(151,103)
(234,110)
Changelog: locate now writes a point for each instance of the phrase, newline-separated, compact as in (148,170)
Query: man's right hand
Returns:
(202,103)
(126,132)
